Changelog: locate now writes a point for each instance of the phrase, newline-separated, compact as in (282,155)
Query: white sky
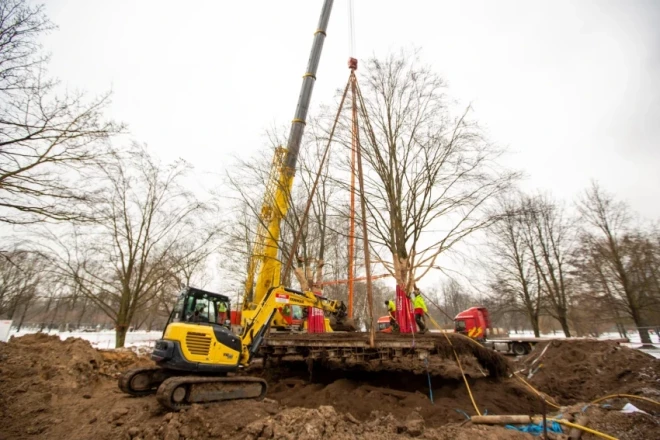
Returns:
(571,87)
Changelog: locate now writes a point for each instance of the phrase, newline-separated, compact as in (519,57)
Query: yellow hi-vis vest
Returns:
(419,303)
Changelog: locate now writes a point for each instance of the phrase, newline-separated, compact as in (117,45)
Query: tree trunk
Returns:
(534,321)
(25,309)
(642,328)
(82,313)
(120,335)
(563,321)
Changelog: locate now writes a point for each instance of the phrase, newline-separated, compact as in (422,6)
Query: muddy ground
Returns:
(584,370)
(52,389)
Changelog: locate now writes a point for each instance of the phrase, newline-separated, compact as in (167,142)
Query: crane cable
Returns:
(294,245)
(351,30)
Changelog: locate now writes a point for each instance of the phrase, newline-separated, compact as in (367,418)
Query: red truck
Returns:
(475,323)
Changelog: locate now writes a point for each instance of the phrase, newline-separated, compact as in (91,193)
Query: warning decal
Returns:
(282,298)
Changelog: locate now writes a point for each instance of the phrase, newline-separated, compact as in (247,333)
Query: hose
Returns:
(580,427)
(536,391)
(630,396)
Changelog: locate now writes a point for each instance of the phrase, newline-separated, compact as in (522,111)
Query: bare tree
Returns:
(516,277)
(549,238)
(453,299)
(145,215)
(625,274)
(21,274)
(427,170)
(46,138)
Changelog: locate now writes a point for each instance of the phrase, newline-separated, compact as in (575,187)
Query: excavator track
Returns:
(181,392)
(143,381)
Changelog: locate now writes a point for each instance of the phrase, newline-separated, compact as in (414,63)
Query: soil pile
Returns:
(326,423)
(66,389)
(584,370)
(450,398)
(41,374)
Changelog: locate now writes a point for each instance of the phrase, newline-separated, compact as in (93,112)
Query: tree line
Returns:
(106,234)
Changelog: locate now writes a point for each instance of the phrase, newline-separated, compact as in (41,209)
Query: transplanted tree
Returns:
(46,137)
(622,258)
(430,174)
(145,218)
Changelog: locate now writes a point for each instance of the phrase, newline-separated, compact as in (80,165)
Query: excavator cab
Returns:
(201,307)
(198,334)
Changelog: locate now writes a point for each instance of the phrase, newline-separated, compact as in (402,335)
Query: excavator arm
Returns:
(255,330)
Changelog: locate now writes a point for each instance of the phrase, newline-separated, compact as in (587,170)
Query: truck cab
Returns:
(473,322)
(383,324)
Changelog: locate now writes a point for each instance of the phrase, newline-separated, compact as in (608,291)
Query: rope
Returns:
(458,361)
(536,391)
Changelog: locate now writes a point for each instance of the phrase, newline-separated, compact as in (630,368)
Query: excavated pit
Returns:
(402,394)
(66,389)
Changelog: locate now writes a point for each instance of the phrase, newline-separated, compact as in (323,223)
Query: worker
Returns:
(222,312)
(420,310)
(391,309)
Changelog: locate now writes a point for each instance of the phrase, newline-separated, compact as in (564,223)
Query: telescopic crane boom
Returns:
(265,265)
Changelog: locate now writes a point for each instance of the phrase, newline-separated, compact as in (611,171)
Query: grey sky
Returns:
(571,87)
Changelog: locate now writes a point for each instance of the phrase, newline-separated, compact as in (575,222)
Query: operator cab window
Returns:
(460,326)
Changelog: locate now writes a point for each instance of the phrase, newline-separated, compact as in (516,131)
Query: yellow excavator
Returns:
(198,349)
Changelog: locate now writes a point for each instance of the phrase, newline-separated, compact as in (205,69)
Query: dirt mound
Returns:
(66,389)
(326,423)
(583,370)
(41,374)
(404,395)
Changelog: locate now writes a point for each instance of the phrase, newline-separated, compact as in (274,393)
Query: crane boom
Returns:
(277,205)
(309,78)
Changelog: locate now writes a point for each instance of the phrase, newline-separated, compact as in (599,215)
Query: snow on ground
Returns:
(103,339)
(144,339)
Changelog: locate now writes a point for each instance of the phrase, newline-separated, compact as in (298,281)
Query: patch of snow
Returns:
(103,339)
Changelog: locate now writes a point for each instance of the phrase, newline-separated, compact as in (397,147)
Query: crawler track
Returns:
(178,393)
(143,381)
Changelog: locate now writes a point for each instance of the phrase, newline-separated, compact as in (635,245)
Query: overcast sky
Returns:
(572,88)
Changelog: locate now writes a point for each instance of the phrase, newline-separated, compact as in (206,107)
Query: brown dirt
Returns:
(67,389)
(584,370)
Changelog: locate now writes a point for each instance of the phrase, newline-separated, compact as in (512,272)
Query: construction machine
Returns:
(198,350)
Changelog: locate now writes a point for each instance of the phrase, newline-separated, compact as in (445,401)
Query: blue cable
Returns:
(428,375)
(460,411)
